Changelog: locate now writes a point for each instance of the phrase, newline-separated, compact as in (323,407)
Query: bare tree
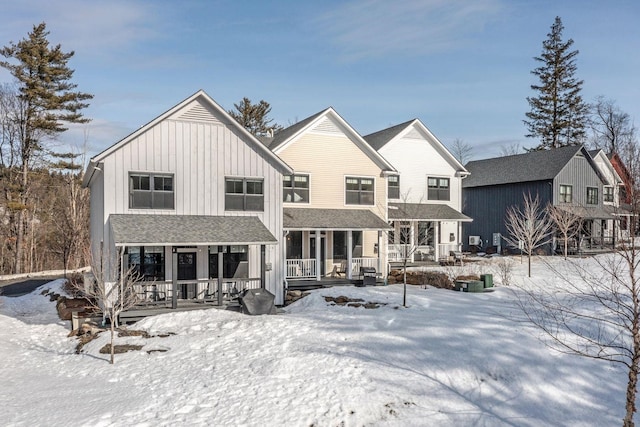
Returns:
(461,150)
(408,237)
(111,290)
(510,150)
(529,227)
(566,222)
(612,129)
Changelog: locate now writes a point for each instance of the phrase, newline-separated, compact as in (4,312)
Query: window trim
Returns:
(563,196)
(438,189)
(360,191)
(591,192)
(395,187)
(152,176)
(291,190)
(245,195)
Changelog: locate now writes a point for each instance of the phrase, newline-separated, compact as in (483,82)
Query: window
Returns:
(393,186)
(296,188)
(425,233)
(244,194)
(235,262)
(151,191)
(391,236)
(592,196)
(359,191)
(340,244)
(438,188)
(608,194)
(147,261)
(566,194)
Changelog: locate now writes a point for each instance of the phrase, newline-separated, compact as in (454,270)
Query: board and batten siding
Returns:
(578,173)
(199,150)
(488,207)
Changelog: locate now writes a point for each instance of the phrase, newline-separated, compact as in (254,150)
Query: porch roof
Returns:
(332,219)
(622,210)
(162,230)
(588,212)
(425,212)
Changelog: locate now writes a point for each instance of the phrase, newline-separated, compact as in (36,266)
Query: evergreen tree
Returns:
(558,115)
(48,101)
(254,117)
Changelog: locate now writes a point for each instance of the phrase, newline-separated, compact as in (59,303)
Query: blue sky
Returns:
(462,67)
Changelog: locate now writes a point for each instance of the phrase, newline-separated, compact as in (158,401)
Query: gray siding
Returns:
(488,206)
(579,174)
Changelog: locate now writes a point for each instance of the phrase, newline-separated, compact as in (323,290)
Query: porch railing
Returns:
(445,249)
(204,290)
(306,268)
(419,253)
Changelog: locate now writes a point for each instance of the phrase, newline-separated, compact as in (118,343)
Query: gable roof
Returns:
(599,153)
(206,99)
(533,166)
(379,139)
(288,135)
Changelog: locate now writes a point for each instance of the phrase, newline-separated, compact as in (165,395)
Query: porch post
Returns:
(436,240)
(349,254)
(174,278)
(412,240)
(317,255)
(263,257)
(220,273)
(379,267)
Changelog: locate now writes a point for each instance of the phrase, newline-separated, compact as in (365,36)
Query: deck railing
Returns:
(301,268)
(160,293)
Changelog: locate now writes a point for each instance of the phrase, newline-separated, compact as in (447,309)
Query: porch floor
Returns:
(140,312)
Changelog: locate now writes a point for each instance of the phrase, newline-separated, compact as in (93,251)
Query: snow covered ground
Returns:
(449,359)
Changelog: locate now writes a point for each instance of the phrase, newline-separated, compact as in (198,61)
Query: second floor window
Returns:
(394,187)
(438,188)
(295,188)
(566,194)
(359,191)
(244,194)
(151,191)
(592,196)
(607,194)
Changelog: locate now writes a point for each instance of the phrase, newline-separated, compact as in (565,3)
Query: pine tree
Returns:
(558,115)
(253,117)
(48,101)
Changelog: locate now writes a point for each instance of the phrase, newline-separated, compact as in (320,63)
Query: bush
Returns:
(437,279)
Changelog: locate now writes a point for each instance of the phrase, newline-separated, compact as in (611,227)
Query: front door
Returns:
(312,250)
(187,271)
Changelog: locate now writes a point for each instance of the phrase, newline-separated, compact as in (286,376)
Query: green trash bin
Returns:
(487,279)
(475,286)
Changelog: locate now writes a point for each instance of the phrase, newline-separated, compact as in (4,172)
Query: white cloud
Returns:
(378,28)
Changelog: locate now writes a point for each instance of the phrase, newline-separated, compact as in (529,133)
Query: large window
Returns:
(566,194)
(425,234)
(592,195)
(359,191)
(147,261)
(394,186)
(244,194)
(151,191)
(340,244)
(235,262)
(438,188)
(608,194)
(295,188)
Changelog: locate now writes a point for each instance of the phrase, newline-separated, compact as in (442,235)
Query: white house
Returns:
(617,228)
(193,202)
(425,197)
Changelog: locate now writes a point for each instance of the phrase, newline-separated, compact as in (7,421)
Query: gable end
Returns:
(197,113)
(326,125)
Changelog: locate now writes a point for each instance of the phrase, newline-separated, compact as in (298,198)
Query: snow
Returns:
(448,359)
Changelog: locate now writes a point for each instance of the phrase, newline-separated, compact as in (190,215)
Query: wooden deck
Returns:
(140,312)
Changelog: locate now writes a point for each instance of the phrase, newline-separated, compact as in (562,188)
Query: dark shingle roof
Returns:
(130,229)
(378,139)
(533,166)
(332,219)
(425,211)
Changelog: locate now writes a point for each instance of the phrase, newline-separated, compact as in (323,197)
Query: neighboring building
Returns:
(194,203)
(616,228)
(425,196)
(566,177)
(335,202)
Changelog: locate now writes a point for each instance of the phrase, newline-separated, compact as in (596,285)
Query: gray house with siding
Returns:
(566,176)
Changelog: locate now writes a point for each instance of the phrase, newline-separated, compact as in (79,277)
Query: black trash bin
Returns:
(368,275)
(257,301)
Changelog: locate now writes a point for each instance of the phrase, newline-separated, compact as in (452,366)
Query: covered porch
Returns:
(424,232)
(334,243)
(598,229)
(186,261)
